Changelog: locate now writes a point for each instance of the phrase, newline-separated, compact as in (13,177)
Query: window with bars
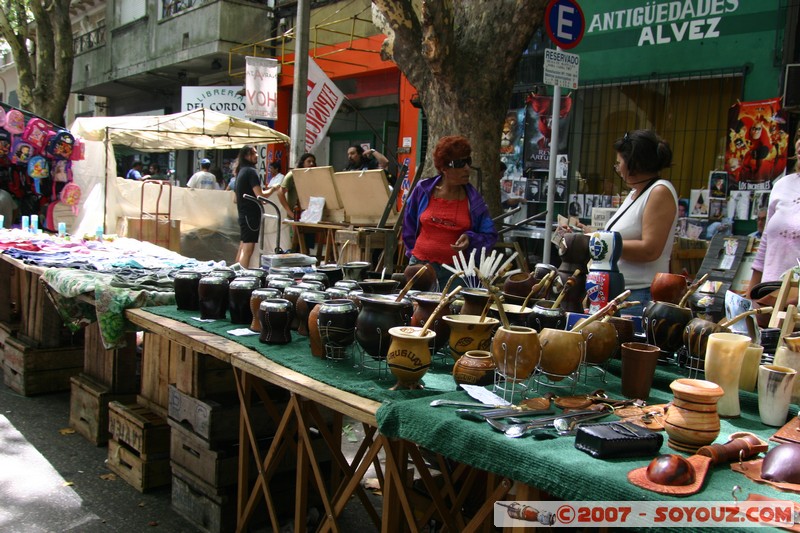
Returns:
(689,112)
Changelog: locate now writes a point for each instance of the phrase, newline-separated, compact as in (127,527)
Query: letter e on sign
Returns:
(565,23)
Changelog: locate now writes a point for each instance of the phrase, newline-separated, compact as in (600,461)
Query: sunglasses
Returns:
(460,163)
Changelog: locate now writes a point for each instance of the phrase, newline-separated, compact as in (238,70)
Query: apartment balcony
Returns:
(176,43)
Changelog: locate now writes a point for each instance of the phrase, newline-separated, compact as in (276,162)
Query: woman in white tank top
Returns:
(647,218)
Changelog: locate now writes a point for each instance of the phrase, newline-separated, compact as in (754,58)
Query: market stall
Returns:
(407,423)
(109,199)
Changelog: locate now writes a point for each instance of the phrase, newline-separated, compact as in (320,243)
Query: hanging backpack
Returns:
(36,133)
(5,143)
(21,152)
(71,196)
(60,145)
(61,172)
(38,169)
(78,150)
(15,121)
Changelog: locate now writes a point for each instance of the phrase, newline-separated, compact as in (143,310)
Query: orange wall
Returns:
(353,60)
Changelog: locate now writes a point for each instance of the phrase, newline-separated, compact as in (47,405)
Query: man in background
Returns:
(203,179)
(360,159)
(135,173)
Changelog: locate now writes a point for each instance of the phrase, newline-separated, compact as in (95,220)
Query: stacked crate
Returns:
(138,447)
(203,415)
(39,353)
(108,375)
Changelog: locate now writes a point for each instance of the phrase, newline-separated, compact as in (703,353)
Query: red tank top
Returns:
(442,223)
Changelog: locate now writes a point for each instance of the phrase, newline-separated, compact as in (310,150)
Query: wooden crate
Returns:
(159,358)
(209,508)
(31,371)
(164,233)
(9,293)
(138,448)
(118,369)
(363,242)
(217,420)
(88,408)
(217,467)
(139,429)
(7,330)
(141,474)
(201,375)
(40,324)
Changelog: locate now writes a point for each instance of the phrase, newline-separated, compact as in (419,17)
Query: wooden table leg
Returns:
(395,489)
(301,240)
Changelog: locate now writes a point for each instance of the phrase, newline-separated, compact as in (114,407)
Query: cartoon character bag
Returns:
(60,145)
(5,143)
(15,121)
(71,196)
(38,169)
(21,152)
(36,133)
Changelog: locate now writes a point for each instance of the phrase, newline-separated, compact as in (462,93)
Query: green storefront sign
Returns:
(627,39)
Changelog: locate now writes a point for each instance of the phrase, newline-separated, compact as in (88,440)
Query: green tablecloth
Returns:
(554,466)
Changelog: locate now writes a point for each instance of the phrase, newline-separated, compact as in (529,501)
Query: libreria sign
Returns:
(222,99)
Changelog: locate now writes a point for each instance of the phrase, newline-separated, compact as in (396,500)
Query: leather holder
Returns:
(618,439)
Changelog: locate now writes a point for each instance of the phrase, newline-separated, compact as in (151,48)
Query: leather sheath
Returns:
(618,439)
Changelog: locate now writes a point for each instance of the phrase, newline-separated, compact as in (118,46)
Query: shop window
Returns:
(691,113)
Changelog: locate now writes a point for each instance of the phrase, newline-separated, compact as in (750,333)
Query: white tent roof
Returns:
(190,130)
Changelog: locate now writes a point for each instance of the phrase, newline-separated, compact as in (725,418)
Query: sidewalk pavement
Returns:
(54,480)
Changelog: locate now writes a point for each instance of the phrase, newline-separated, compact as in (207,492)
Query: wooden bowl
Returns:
(696,390)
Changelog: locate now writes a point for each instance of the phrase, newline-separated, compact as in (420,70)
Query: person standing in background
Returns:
(360,159)
(248,182)
(270,228)
(287,193)
(203,179)
(779,249)
(445,215)
(276,176)
(648,216)
(154,173)
(135,173)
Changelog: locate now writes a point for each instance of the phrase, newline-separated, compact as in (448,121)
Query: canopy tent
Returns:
(103,201)
(192,130)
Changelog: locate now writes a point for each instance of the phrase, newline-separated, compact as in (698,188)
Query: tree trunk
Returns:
(44,69)
(462,57)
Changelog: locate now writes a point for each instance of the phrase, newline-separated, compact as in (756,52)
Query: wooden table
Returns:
(328,240)
(308,398)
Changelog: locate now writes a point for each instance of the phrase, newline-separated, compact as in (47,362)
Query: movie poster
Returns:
(538,129)
(511,143)
(757,144)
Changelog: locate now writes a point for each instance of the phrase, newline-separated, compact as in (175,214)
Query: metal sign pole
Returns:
(551,176)
(299,94)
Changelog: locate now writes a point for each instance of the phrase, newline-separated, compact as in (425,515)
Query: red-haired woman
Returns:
(445,215)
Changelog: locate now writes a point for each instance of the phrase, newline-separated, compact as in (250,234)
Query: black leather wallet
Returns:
(617,439)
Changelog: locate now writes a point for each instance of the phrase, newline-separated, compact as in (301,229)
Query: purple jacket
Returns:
(482,233)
